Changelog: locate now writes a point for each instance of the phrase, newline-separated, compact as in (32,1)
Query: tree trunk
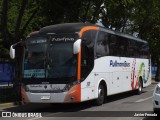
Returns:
(28,21)
(19,20)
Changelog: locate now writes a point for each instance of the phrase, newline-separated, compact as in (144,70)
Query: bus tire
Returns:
(101,95)
(140,86)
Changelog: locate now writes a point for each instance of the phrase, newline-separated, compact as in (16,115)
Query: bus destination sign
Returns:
(37,40)
(63,38)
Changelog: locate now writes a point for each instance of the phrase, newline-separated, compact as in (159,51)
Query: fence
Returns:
(8,91)
(9,94)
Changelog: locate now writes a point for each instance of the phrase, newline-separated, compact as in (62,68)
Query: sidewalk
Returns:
(154,82)
(10,104)
(6,105)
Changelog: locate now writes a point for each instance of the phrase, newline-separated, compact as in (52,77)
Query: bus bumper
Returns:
(46,97)
(71,96)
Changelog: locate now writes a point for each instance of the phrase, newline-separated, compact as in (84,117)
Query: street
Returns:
(122,106)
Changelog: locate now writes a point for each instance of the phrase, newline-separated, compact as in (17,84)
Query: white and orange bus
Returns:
(75,62)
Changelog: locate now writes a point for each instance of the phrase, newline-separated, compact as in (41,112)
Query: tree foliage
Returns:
(20,17)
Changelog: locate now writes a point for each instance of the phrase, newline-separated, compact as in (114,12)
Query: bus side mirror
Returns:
(12,48)
(77,46)
(12,52)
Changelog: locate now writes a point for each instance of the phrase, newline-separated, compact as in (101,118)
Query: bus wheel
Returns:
(101,95)
(139,90)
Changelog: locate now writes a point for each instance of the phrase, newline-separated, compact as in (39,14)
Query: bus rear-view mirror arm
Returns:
(76,46)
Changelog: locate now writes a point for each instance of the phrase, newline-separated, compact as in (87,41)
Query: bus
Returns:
(76,62)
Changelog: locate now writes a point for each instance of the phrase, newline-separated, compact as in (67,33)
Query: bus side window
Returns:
(102,48)
(132,48)
(144,50)
(121,46)
(87,61)
(113,45)
(89,36)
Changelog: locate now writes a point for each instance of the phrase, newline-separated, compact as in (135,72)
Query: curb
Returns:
(4,105)
(9,104)
(154,82)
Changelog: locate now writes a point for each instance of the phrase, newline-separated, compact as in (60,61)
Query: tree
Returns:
(141,16)
(19,18)
(147,23)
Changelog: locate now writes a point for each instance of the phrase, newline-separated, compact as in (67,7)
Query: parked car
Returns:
(156,99)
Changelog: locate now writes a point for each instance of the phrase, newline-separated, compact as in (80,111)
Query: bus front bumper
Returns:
(46,97)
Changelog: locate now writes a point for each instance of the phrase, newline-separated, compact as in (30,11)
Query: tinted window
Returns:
(138,49)
(35,53)
(122,46)
(102,47)
(62,61)
(113,45)
(89,37)
(144,50)
(87,61)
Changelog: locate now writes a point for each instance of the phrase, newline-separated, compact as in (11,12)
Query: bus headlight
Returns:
(68,86)
(157,90)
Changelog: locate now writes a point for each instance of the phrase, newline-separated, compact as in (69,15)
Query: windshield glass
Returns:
(62,61)
(50,58)
(35,56)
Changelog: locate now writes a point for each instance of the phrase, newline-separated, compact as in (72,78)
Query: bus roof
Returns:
(122,34)
(64,28)
(76,28)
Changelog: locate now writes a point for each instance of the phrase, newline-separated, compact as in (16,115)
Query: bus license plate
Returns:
(45,97)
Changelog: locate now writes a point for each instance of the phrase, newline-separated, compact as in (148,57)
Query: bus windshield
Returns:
(35,57)
(50,58)
(62,62)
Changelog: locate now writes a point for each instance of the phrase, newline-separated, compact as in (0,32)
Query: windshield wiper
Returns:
(33,76)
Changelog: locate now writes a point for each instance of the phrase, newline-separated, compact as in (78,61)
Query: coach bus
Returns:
(75,62)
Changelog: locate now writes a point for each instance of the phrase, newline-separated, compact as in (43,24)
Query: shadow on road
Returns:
(74,107)
(45,107)
(122,96)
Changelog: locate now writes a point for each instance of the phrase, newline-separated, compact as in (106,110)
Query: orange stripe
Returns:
(79,66)
(76,90)
(75,93)
(86,29)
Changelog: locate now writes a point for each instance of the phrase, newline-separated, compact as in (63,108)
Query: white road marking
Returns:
(141,100)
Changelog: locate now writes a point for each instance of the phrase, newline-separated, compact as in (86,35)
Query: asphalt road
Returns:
(118,107)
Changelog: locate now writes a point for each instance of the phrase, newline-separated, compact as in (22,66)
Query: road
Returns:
(118,107)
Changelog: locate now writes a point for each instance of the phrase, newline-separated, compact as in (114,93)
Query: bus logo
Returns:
(119,64)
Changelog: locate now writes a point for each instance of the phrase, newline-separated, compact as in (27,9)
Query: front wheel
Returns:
(101,95)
